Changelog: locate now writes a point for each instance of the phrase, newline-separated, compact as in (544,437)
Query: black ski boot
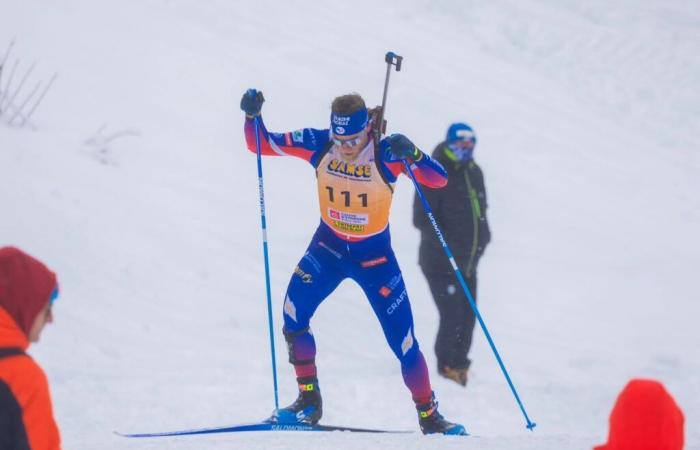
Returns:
(431,421)
(308,407)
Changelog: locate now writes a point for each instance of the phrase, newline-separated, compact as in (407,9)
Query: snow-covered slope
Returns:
(136,188)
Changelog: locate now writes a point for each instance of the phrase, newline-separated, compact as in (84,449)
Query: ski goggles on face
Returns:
(348,142)
(465,135)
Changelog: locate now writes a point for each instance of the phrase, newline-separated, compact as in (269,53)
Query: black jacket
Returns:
(460,211)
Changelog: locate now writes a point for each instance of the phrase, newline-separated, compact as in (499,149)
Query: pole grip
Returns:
(394,59)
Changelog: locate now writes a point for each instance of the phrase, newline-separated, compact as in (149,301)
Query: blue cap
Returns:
(460,132)
(342,125)
(54,295)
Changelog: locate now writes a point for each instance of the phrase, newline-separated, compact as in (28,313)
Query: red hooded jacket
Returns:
(645,417)
(26,414)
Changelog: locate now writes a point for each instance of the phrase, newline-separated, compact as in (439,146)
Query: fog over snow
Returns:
(133,183)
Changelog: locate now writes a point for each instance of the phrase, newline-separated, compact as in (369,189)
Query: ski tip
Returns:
(130,435)
(120,434)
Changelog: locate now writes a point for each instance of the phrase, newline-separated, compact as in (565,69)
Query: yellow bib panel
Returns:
(355,200)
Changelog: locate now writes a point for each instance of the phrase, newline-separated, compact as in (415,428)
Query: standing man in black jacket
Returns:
(460,211)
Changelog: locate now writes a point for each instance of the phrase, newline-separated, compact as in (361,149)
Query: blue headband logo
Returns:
(349,125)
(340,120)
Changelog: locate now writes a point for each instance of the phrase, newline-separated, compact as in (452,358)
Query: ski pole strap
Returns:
(10,351)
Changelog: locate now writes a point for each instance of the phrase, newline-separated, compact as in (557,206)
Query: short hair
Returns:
(348,104)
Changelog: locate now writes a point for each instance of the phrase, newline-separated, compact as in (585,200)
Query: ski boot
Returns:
(308,407)
(459,376)
(432,422)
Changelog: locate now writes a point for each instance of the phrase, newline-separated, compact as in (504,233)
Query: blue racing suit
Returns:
(352,241)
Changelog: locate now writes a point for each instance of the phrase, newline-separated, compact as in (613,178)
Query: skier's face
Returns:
(45,316)
(351,146)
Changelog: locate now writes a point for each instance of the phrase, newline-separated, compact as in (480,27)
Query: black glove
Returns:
(400,147)
(251,102)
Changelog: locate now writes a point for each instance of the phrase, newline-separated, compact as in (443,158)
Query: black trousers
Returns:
(454,337)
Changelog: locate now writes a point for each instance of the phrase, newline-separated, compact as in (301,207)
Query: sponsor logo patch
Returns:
(394,282)
(339,130)
(341,120)
(348,218)
(396,303)
(384,291)
(348,227)
(353,170)
(374,262)
(289,309)
(306,387)
(305,277)
(288,139)
(345,221)
(407,342)
(298,136)
(290,427)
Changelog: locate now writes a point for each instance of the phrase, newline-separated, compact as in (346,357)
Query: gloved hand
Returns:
(251,102)
(400,147)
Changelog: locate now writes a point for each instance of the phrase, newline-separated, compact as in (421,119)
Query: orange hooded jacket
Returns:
(26,414)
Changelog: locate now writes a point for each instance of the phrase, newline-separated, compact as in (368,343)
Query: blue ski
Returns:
(260,426)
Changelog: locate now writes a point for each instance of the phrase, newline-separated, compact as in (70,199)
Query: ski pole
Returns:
(263,221)
(394,59)
(428,210)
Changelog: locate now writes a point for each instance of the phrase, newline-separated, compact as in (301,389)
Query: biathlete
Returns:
(355,178)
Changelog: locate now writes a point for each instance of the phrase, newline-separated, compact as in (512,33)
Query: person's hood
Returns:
(10,334)
(645,417)
(26,286)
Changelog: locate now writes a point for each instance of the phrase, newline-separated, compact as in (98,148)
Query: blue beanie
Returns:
(460,132)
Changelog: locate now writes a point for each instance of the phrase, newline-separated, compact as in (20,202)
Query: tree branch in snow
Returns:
(10,94)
